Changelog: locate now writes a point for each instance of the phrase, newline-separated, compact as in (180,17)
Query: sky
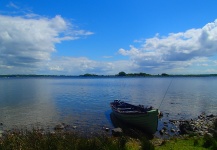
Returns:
(105,37)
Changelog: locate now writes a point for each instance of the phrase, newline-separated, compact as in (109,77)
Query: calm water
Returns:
(84,102)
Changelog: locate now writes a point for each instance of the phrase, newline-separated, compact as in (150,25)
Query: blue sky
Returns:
(108,36)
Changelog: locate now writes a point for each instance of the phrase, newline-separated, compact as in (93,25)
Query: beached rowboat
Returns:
(145,118)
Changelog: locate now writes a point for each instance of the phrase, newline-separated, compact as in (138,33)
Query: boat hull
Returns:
(145,121)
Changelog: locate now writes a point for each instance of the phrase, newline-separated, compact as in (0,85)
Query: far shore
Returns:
(105,76)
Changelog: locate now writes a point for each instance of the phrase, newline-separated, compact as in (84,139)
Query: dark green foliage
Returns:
(122,73)
(215,128)
(38,140)
(146,144)
(122,142)
(210,142)
(89,75)
(164,74)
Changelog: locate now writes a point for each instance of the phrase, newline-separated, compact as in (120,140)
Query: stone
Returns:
(185,128)
(161,131)
(209,134)
(59,127)
(164,128)
(173,130)
(117,131)
(166,133)
(165,123)
(201,133)
(210,116)
(107,129)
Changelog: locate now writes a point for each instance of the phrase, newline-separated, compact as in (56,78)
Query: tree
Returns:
(164,74)
(121,73)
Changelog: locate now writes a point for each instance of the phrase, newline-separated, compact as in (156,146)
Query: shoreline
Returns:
(62,138)
(201,125)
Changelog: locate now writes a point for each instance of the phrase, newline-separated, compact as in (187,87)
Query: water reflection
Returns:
(26,103)
(128,129)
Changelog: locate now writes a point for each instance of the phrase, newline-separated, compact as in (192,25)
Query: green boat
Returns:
(145,118)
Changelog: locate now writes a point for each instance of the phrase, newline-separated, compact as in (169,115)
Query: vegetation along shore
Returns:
(120,74)
(198,133)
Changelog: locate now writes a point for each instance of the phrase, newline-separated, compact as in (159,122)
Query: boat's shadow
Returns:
(128,129)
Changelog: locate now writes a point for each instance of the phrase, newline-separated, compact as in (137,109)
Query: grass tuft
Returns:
(37,140)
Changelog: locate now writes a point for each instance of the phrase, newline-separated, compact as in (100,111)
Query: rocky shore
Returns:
(203,124)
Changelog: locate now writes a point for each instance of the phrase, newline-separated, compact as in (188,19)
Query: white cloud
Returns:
(175,50)
(27,42)
(82,65)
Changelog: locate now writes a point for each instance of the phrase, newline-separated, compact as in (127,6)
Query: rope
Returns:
(165,94)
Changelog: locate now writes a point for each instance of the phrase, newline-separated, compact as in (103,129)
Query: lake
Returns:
(84,102)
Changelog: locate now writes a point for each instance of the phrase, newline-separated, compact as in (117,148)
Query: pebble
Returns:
(173,130)
(161,131)
(117,131)
(59,127)
(107,129)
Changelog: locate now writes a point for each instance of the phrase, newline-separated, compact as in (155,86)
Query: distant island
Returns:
(120,74)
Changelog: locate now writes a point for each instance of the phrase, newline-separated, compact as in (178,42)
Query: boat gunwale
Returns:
(135,112)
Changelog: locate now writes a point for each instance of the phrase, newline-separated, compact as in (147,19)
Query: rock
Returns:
(107,129)
(117,131)
(59,127)
(205,127)
(209,134)
(211,130)
(211,116)
(1,133)
(164,128)
(166,133)
(161,131)
(185,128)
(160,114)
(201,133)
(165,123)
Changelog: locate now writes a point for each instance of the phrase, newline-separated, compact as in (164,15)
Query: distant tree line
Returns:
(122,73)
(88,75)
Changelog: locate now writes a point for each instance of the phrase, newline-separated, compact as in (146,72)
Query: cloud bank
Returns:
(177,51)
(27,42)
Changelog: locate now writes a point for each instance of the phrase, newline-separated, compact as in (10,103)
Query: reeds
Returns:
(38,140)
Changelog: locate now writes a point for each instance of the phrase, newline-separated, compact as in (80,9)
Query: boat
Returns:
(145,118)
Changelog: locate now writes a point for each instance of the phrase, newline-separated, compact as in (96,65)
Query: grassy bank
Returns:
(188,143)
(34,140)
(39,140)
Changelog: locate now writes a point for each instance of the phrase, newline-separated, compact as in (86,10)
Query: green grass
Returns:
(35,140)
(189,143)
